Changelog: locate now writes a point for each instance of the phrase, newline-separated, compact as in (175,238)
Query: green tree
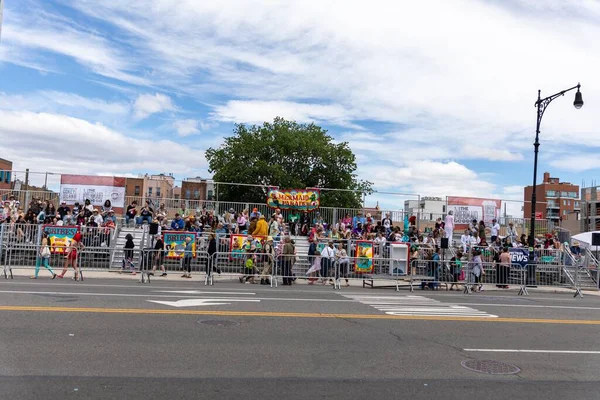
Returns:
(288,155)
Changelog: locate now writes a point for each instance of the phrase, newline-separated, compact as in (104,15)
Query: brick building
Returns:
(5,173)
(555,199)
(194,189)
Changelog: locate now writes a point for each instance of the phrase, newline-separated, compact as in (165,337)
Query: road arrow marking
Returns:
(201,302)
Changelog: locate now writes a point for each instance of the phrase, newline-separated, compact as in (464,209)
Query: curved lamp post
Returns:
(541,105)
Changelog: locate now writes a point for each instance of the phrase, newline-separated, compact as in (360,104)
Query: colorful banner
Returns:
(466,209)
(294,199)
(364,257)
(97,189)
(239,244)
(175,243)
(59,237)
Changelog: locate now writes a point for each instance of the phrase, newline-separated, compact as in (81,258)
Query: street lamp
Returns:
(541,105)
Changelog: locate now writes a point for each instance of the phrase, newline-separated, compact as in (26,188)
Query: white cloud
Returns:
(186,127)
(54,100)
(578,163)
(258,111)
(148,104)
(64,144)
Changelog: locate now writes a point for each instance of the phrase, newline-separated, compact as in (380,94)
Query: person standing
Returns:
(187,258)
(267,261)
(343,262)
(128,254)
(288,255)
(327,258)
(387,224)
(477,269)
(512,233)
(495,230)
(71,256)
(456,267)
(449,226)
(43,258)
(504,269)
(159,256)
(274,226)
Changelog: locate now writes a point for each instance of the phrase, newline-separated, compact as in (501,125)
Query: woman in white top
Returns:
(465,240)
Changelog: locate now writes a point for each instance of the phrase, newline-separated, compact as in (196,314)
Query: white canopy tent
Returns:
(585,240)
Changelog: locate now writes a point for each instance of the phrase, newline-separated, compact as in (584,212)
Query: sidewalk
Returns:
(233,278)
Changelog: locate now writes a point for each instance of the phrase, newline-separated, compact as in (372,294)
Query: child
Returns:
(43,259)
(128,254)
(250,265)
(313,272)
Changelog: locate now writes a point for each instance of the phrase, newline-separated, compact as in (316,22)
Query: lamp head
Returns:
(578,103)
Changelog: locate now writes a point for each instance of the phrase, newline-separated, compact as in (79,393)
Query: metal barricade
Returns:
(246,266)
(19,233)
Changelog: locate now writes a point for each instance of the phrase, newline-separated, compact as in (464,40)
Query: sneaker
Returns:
(150,273)
(33,277)
(184,276)
(164,274)
(54,276)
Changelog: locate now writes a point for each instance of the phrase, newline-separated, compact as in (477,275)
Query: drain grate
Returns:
(217,322)
(490,367)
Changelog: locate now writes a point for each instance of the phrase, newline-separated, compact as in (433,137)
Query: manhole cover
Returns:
(217,322)
(491,367)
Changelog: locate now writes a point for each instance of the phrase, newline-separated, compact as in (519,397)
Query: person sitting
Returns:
(178,223)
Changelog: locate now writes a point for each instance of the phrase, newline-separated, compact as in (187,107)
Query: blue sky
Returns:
(435,98)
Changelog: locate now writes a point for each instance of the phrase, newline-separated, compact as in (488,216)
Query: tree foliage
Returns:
(288,155)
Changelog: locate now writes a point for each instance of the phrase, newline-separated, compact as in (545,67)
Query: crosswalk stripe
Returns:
(417,306)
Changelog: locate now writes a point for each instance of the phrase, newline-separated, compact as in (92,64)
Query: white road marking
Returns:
(533,351)
(199,292)
(417,306)
(201,302)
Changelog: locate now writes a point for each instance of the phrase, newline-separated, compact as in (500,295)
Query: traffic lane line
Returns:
(142,311)
(533,351)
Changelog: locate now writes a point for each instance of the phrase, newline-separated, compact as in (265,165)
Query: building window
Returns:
(209,195)
(136,191)
(7,177)
(1,175)
(187,193)
(550,193)
(564,194)
(564,202)
(158,191)
(149,192)
(196,194)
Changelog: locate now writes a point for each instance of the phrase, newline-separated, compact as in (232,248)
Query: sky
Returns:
(434,97)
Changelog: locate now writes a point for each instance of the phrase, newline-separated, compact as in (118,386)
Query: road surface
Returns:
(118,339)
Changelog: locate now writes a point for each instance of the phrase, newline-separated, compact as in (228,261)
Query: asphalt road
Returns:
(117,339)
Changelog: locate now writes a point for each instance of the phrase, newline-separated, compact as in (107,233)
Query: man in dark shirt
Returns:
(146,214)
(63,209)
(131,212)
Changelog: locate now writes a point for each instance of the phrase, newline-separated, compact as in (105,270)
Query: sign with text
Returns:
(519,256)
(175,244)
(59,237)
(96,189)
(466,209)
(294,199)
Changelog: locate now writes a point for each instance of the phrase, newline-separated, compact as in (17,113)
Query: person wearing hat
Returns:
(575,249)
(511,233)
(97,217)
(110,216)
(63,209)
(262,228)
(255,213)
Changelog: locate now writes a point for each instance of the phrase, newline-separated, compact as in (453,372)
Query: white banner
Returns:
(96,194)
(463,215)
